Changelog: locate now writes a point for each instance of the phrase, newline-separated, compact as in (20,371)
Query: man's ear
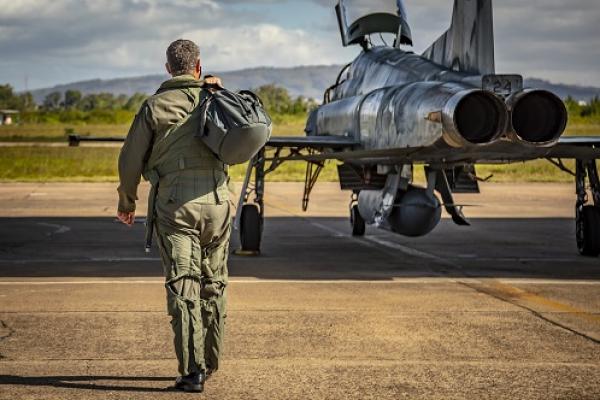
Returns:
(168,67)
(198,69)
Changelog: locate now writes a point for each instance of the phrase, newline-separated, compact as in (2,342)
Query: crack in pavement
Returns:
(10,330)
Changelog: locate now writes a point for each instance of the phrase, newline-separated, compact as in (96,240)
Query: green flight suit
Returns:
(191,216)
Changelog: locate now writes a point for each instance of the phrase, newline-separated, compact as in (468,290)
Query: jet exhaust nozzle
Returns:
(538,117)
(474,117)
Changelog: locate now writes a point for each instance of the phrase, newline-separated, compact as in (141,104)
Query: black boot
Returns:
(191,383)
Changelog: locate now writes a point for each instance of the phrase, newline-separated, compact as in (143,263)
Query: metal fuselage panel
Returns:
(381,67)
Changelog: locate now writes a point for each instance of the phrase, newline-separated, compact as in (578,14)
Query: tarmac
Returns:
(503,309)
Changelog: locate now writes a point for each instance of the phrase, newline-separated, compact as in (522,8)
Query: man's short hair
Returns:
(182,56)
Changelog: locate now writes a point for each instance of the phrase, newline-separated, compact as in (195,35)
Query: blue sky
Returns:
(44,43)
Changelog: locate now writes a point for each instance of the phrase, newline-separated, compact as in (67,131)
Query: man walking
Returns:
(188,209)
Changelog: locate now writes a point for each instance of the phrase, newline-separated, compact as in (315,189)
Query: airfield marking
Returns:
(412,252)
(58,229)
(432,280)
(517,293)
(77,260)
(493,287)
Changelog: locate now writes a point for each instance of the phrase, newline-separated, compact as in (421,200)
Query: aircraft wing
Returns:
(332,147)
(317,142)
(578,147)
(348,150)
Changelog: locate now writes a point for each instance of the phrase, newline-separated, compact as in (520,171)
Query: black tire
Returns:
(250,228)
(357,222)
(588,230)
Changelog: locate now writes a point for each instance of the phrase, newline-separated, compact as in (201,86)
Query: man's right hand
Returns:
(213,80)
(126,217)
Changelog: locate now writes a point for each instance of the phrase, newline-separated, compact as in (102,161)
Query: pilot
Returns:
(188,210)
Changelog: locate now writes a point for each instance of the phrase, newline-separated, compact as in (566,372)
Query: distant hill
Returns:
(308,81)
(562,90)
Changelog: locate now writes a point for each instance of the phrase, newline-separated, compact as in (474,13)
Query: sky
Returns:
(44,43)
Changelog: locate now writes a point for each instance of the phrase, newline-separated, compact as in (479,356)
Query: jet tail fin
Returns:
(468,46)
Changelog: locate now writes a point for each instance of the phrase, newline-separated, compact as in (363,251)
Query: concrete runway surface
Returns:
(504,309)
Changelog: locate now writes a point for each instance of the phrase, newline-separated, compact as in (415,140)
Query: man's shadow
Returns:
(77,382)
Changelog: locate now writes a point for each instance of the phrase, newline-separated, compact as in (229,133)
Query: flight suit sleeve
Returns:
(133,156)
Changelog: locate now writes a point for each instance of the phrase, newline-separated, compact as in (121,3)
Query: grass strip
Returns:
(99,164)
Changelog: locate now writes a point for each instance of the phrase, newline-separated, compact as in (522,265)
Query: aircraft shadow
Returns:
(307,249)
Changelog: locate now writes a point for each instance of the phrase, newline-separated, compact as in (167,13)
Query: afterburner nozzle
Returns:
(474,117)
(538,117)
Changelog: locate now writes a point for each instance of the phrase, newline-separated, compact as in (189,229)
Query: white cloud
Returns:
(264,44)
(65,40)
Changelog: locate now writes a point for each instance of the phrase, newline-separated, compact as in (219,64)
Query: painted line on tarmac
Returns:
(412,251)
(512,292)
(241,281)
(530,281)
(78,260)
(58,229)
(409,251)
(432,280)
(521,259)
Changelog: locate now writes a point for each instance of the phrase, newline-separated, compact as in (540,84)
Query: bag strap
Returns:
(171,134)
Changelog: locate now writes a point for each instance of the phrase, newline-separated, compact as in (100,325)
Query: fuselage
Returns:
(388,98)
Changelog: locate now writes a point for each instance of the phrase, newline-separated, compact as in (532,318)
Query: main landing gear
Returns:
(250,217)
(251,225)
(587,221)
(356,220)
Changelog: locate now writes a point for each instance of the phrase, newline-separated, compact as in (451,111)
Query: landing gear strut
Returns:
(250,217)
(587,221)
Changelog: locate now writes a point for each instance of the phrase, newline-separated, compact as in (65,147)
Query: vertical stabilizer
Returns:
(468,46)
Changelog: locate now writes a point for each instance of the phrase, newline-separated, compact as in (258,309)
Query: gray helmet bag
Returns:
(235,126)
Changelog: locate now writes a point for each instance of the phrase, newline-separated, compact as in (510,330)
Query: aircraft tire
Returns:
(357,222)
(588,231)
(250,228)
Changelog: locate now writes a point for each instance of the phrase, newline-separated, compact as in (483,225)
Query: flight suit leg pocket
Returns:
(182,251)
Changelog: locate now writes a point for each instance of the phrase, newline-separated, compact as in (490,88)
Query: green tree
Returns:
(27,103)
(72,99)
(88,103)
(8,98)
(591,109)
(135,102)
(52,101)
(120,102)
(276,99)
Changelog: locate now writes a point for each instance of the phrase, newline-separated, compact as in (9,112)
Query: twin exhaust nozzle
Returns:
(476,117)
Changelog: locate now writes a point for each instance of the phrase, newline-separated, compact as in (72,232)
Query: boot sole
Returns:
(188,388)
(193,388)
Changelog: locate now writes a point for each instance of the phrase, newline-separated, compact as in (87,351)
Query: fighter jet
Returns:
(446,109)
(391,110)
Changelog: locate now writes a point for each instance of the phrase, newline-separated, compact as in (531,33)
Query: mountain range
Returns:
(307,81)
